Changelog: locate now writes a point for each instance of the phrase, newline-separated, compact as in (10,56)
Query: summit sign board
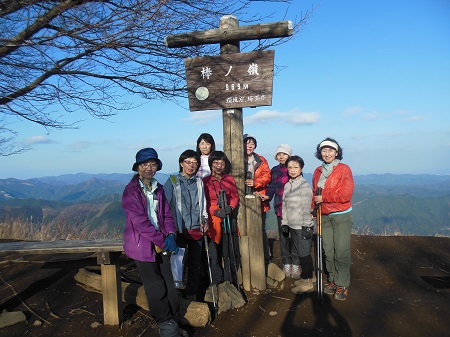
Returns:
(230,81)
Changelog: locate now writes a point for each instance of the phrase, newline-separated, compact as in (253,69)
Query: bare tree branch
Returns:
(86,55)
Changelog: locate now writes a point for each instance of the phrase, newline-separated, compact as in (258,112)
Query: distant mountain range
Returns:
(382,203)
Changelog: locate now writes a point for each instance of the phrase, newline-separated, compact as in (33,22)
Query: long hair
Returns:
(207,138)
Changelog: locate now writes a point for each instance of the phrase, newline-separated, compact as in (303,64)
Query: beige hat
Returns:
(328,143)
(283,148)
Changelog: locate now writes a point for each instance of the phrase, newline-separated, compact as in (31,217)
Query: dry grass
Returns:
(18,230)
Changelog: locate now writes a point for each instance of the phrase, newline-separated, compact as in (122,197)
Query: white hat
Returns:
(283,148)
(328,143)
(246,136)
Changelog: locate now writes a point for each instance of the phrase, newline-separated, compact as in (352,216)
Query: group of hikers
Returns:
(196,207)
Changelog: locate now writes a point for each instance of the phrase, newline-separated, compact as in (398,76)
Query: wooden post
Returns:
(229,36)
(255,242)
(111,287)
(233,127)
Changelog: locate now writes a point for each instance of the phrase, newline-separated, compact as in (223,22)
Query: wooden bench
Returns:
(108,252)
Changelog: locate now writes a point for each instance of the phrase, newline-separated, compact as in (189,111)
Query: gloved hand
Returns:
(170,245)
(228,209)
(285,230)
(223,212)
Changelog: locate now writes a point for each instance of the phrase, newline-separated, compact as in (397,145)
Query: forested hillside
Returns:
(382,204)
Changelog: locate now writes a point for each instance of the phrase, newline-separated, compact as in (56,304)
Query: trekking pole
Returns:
(232,253)
(209,267)
(319,248)
(236,257)
(222,201)
(223,204)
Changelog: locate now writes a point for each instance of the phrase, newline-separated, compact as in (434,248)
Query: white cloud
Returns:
(302,118)
(202,117)
(353,110)
(295,117)
(39,140)
(263,116)
(359,136)
(414,118)
(401,112)
(371,116)
(81,145)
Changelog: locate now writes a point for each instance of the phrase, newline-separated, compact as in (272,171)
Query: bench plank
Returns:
(108,251)
(62,246)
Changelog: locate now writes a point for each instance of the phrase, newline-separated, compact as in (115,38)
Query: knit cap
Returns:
(283,148)
(247,136)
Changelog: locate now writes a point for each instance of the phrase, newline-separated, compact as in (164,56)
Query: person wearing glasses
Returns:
(150,239)
(297,223)
(186,196)
(336,181)
(220,179)
(205,145)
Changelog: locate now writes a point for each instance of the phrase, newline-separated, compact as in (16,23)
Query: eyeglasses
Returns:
(151,165)
(218,163)
(190,162)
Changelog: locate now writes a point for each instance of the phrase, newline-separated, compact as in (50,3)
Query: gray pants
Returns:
(336,234)
(285,245)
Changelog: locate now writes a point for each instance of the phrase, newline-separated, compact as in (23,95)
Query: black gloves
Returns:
(223,212)
(285,230)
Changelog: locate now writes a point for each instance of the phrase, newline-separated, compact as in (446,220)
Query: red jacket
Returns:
(212,188)
(338,190)
(261,179)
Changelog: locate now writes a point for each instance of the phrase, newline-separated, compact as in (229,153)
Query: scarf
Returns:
(327,169)
(152,201)
(251,163)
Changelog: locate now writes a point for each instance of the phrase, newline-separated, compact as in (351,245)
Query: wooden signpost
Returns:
(231,82)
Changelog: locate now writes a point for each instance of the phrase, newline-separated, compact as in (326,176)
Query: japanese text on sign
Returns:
(230,81)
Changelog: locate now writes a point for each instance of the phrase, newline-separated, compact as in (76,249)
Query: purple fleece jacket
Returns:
(140,235)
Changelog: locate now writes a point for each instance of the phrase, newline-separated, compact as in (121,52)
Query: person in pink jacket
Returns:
(335,180)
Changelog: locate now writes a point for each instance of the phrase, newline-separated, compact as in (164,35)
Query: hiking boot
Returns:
(298,282)
(169,328)
(330,289)
(182,332)
(287,269)
(295,271)
(341,293)
(303,286)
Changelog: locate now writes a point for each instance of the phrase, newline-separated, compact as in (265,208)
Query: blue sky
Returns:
(374,75)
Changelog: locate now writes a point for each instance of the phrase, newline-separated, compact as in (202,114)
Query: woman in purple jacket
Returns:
(150,239)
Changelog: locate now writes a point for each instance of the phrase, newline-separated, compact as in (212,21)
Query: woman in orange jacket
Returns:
(258,178)
(336,181)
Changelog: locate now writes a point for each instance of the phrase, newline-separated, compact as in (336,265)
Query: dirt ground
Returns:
(400,287)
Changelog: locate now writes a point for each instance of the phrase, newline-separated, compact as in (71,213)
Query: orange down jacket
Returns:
(261,179)
(338,189)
